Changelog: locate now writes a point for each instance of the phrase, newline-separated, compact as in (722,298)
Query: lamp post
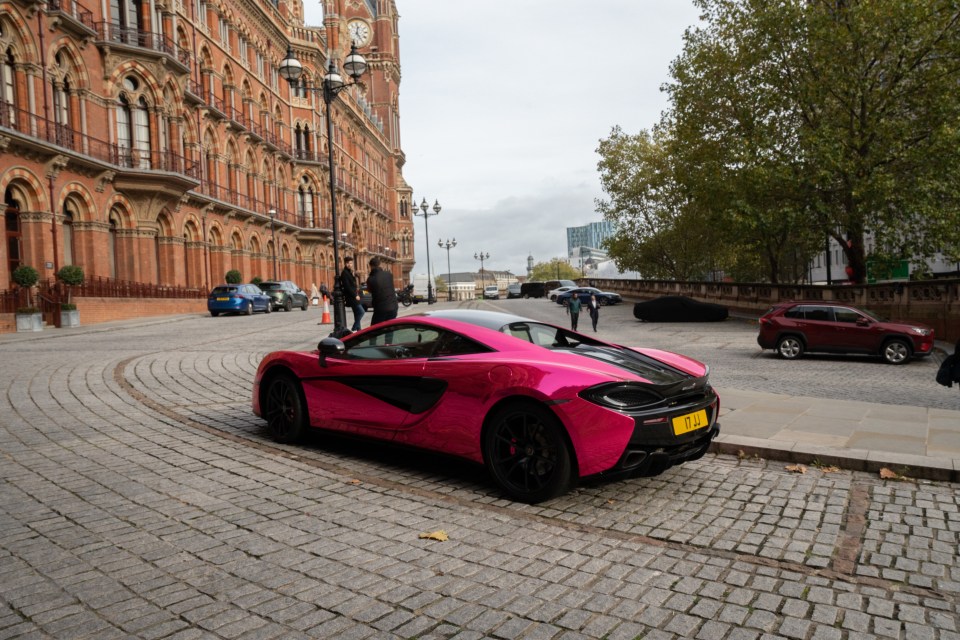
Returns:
(273,233)
(449,244)
(481,257)
(425,208)
(291,70)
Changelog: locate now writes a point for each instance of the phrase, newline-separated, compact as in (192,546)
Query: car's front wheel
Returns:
(288,304)
(526,453)
(603,302)
(896,351)
(790,347)
(285,410)
(269,308)
(305,305)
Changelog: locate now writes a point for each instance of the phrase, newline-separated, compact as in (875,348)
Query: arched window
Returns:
(112,244)
(305,202)
(133,126)
(69,215)
(12,222)
(8,87)
(62,114)
(125,16)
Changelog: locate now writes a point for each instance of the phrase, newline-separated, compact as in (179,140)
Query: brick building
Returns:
(153,141)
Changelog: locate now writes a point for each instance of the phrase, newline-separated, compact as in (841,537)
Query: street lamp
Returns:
(481,257)
(273,232)
(425,208)
(291,70)
(449,244)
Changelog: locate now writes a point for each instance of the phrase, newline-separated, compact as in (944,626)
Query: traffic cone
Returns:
(326,312)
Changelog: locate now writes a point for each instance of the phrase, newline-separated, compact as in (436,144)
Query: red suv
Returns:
(794,327)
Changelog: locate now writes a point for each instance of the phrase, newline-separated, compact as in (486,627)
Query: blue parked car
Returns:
(238,298)
(603,298)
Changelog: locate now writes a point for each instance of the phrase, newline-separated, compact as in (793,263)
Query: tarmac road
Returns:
(140,498)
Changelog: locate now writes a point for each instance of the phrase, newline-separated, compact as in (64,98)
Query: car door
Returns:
(377,385)
(818,326)
(853,331)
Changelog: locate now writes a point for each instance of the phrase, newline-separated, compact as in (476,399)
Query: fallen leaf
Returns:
(354,481)
(887,474)
(797,468)
(830,469)
(440,535)
(741,454)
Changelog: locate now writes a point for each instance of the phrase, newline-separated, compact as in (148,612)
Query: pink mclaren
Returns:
(539,405)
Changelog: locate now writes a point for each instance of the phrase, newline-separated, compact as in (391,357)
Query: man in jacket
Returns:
(382,293)
(351,292)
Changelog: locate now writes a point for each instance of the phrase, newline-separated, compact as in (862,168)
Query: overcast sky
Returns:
(503,104)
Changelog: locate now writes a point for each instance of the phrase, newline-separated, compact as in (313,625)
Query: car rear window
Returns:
(224,290)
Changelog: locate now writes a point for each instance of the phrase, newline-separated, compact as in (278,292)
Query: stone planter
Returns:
(69,318)
(29,322)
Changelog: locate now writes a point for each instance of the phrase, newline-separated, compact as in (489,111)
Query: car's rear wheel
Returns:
(790,347)
(526,453)
(288,304)
(285,410)
(896,351)
(249,309)
(214,313)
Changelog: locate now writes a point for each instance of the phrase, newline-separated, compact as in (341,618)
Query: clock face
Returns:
(359,32)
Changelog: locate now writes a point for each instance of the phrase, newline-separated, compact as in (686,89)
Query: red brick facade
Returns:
(158,144)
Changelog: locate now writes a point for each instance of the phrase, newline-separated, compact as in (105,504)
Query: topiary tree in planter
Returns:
(71,276)
(233,276)
(27,277)
(256,280)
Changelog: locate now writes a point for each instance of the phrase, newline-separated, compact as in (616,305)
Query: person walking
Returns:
(594,308)
(949,371)
(573,308)
(351,292)
(382,293)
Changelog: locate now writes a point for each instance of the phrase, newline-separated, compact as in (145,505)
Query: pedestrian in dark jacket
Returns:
(573,308)
(382,293)
(949,371)
(351,292)
(594,308)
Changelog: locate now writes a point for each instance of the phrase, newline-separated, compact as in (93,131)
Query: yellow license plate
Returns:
(222,299)
(689,422)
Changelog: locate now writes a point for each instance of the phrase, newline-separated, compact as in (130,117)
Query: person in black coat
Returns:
(382,293)
(351,292)
(594,308)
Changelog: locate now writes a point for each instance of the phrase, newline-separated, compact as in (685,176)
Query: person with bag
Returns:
(949,371)
(351,292)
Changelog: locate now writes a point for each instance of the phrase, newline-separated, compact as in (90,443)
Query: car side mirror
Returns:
(330,347)
(863,322)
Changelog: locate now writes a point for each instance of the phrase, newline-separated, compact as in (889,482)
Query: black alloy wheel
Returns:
(288,304)
(526,453)
(285,410)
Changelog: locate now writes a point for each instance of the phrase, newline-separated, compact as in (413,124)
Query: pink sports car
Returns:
(541,406)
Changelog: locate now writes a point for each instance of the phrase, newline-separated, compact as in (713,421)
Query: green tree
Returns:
(791,122)
(556,269)
(806,118)
(233,276)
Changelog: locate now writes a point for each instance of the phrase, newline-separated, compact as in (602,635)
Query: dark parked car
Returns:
(584,293)
(541,406)
(238,298)
(795,327)
(533,290)
(286,295)
(514,290)
(679,309)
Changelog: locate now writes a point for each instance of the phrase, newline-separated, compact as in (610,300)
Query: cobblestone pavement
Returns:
(139,497)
